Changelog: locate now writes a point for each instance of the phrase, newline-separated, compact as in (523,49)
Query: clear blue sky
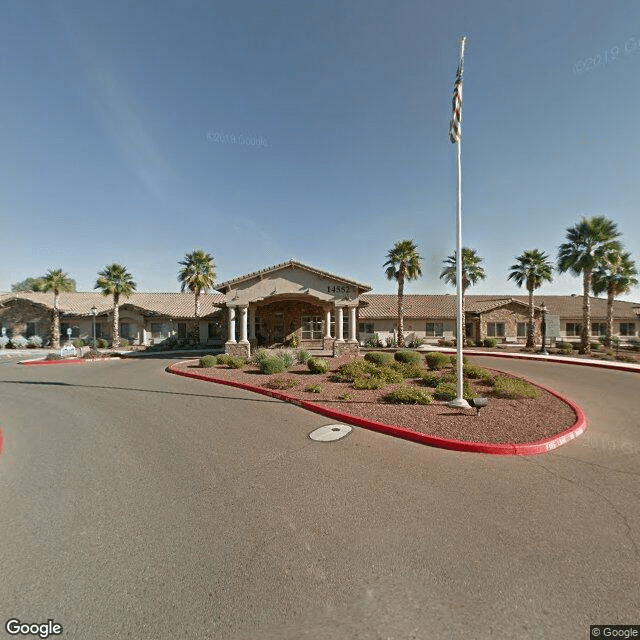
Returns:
(110,112)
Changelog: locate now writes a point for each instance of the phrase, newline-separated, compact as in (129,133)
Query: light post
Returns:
(543,328)
(94,313)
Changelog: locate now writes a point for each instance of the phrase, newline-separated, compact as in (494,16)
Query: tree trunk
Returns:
(400,310)
(115,333)
(585,347)
(55,324)
(530,328)
(611,292)
(196,328)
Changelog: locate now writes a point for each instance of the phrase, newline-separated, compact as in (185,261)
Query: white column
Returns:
(252,325)
(352,324)
(232,325)
(243,325)
(327,323)
(339,337)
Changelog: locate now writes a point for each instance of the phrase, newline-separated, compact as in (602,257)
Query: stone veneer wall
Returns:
(293,311)
(345,349)
(237,349)
(16,314)
(510,315)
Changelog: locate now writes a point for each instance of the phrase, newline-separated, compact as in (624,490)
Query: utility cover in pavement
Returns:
(330,432)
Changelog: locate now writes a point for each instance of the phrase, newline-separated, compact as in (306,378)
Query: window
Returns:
(75,330)
(182,330)
(214,329)
(598,329)
(495,329)
(434,329)
(125,330)
(99,331)
(365,327)
(574,329)
(278,325)
(627,328)
(522,329)
(258,325)
(30,330)
(159,331)
(311,327)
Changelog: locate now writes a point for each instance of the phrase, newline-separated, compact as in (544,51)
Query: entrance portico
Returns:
(292,303)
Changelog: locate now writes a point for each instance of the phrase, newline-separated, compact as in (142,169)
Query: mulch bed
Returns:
(502,421)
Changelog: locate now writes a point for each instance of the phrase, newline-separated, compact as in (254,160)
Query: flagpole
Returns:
(459,401)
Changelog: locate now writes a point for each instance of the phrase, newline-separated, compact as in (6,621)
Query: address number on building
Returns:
(338,289)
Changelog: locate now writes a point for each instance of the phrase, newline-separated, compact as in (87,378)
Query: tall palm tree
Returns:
(56,280)
(587,243)
(532,268)
(472,272)
(116,281)
(403,263)
(197,275)
(615,275)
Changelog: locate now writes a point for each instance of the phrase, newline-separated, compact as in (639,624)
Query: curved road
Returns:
(139,504)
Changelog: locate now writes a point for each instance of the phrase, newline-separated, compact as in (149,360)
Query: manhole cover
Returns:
(330,432)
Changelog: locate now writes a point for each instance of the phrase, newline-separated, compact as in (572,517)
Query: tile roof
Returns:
(174,305)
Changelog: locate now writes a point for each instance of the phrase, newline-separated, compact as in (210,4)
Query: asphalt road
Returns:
(137,504)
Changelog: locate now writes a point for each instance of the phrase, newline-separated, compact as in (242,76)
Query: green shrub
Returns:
(431,379)
(236,362)
(563,345)
(288,356)
(92,353)
(272,364)
(415,343)
(208,361)
(302,356)
(293,341)
(53,356)
(447,391)
(124,342)
(34,342)
(505,387)
(281,383)
(78,343)
(391,342)
(344,396)
(223,358)
(378,357)
(313,388)
(408,369)
(318,365)
(449,377)
(595,346)
(102,343)
(374,341)
(490,342)
(260,355)
(407,356)
(388,374)
(436,360)
(355,369)
(454,359)
(369,383)
(408,395)
(445,343)
(476,372)
(470,343)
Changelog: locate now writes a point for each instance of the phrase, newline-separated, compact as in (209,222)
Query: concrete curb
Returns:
(67,360)
(520,449)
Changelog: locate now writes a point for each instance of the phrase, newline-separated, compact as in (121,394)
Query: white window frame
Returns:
(437,329)
(493,329)
(574,331)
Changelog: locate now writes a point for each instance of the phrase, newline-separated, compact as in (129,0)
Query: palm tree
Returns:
(56,280)
(615,275)
(115,280)
(403,263)
(587,243)
(197,275)
(471,273)
(532,268)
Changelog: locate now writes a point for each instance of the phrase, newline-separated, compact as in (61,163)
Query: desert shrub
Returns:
(448,377)
(355,369)
(575,346)
(123,342)
(19,342)
(378,357)
(374,341)
(436,360)
(208,361)
(431,379)
(447,391)
(634,343)
(272,364)
(281,383)
(102,343)
(391,342)
(293,341)
(302,356)
(505,387)
(318,365)
(4,341)
(53,356)
(288,356)
(313,388)
(563,345)
(236,362)
(223,358)
(408,369)
(470,342)
(454,359)
(490,342)
(344,396)
(625,359)
(260,354)
(595,346)
(92,353)
(388,374)
(414,343)
(407,356)
(408,395)
(34,342)
(476,372)
(78,343)
(446,343)
(374,382)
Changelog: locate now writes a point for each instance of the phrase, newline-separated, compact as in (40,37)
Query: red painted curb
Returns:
(520,449)
(40,362)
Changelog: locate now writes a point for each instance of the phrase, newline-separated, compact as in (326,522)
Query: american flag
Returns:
(456,116)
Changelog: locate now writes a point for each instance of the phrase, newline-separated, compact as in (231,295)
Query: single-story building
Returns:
(317,309)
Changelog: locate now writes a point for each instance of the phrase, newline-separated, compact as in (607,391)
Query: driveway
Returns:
(145,505)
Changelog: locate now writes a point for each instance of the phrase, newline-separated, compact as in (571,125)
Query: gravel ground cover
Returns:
(502,421)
